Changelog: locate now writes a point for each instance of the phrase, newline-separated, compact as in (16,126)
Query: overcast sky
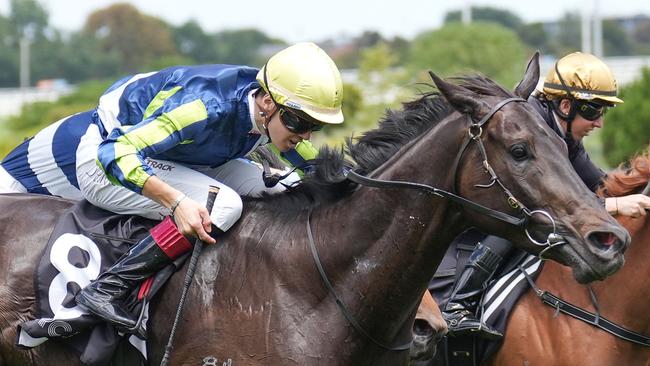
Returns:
(300,20)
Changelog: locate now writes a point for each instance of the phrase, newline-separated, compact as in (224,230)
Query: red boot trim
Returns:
(169,239)
(145,287)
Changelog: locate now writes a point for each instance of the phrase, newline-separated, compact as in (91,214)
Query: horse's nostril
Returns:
(607,239)
(422,328)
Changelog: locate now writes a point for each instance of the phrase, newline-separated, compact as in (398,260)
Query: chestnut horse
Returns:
(331,272)
(536,336)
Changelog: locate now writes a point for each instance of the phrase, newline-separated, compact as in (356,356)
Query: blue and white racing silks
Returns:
(194,115)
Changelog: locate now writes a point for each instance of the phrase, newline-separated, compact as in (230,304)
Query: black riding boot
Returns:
(103,297)
(460,311)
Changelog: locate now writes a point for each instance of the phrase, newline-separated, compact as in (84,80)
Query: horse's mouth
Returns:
(596,258)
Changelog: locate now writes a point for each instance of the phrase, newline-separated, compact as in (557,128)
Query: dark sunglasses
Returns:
(297,124)
(291,120)
(589,110)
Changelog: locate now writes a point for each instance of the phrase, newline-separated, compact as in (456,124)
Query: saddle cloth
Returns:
(85,242)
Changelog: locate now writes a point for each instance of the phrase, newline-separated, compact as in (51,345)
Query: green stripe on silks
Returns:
(159,100)
(152,133)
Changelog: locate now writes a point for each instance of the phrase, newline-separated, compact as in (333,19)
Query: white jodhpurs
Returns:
(235,178)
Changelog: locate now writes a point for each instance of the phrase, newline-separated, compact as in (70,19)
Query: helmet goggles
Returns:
(291,120)
(295,123)
(590,111)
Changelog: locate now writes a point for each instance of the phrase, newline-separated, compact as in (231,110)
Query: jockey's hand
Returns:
(634,205)
(193,219)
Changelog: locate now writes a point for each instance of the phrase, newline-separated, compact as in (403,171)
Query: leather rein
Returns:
(474,135)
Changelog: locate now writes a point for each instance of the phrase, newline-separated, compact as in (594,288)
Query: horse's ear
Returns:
(462,99)
(531,78)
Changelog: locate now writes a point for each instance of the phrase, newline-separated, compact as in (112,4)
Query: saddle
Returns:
(505,289)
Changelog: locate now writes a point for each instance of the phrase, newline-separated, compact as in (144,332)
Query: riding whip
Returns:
(189,275)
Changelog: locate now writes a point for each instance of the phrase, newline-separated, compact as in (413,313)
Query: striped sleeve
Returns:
(122,155)
(298,156)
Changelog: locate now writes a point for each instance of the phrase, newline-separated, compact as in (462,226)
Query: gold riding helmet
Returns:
(304,78)
(583,77)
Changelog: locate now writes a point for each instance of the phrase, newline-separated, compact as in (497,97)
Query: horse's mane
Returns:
(628,178)
(326,184)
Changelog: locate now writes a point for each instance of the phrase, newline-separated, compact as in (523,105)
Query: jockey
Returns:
(575,95)
(157,141)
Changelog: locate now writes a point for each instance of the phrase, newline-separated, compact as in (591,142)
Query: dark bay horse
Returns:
(536,336)
(258,297)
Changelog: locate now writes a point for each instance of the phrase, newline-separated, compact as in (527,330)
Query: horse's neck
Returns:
(395,238)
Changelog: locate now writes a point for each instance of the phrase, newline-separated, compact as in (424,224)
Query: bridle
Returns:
(474,135)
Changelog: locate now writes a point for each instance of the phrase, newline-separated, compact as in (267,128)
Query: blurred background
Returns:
(58,56)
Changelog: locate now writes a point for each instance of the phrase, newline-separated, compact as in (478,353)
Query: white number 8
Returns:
(70,273)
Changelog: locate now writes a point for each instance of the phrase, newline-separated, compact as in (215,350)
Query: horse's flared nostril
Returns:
(606,241)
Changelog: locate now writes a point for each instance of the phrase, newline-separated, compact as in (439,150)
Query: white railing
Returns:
(12,99)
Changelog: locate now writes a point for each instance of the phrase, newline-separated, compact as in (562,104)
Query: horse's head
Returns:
(516,164)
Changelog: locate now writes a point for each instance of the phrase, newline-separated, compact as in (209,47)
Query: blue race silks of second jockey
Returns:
(158,140)
(573,99)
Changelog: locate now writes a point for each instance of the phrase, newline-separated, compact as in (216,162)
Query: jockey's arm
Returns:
(633,205)
(190,216)
(122,157)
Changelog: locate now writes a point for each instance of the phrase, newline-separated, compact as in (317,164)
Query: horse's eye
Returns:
(519,152)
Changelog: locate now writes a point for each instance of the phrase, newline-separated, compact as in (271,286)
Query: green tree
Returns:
(616,42)
(352,101)
(375,59)
(488,48)
(138,38)
(534,35)
(566,36)
(349,54)
(642,32)
(641,37)
(627,130)
(192,42)
(8,55)
(242,47)
(81,58)
(28,18)
(506,18)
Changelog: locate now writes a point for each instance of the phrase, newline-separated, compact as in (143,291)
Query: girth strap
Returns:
(339,302)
